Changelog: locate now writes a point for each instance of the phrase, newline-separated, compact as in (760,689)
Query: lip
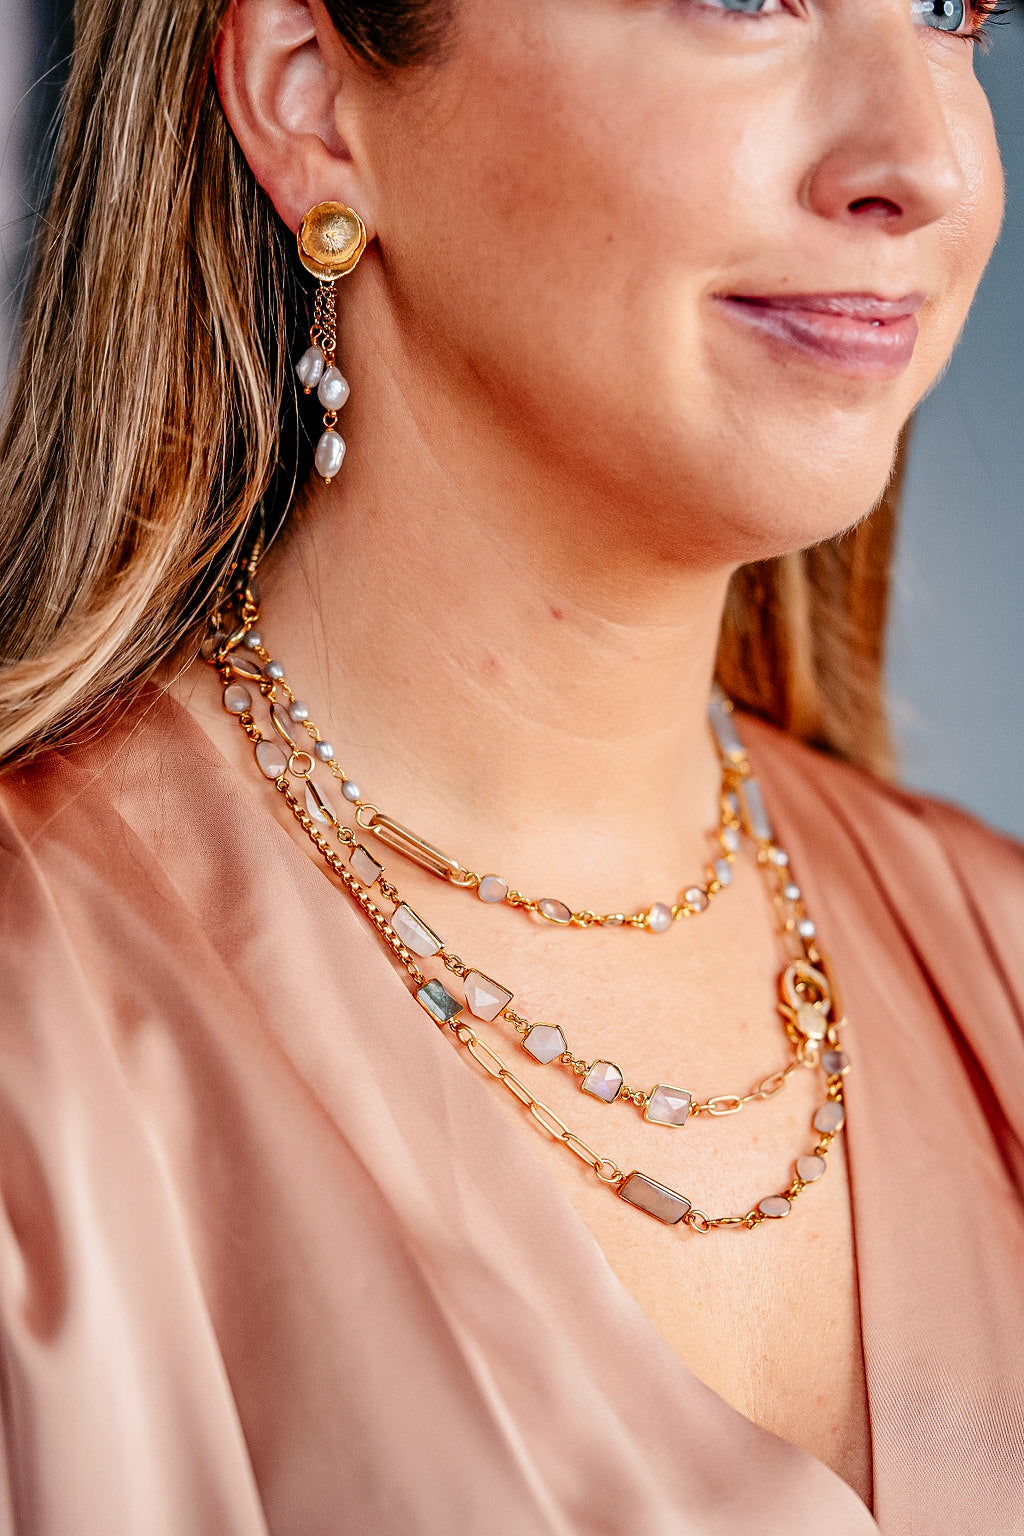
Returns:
(860,334)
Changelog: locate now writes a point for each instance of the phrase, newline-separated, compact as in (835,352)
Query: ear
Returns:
(286,84)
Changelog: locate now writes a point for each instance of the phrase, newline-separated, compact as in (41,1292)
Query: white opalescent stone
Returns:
(603,1081)
(834,1063)
(318,806)
(830,1118)
(554,911)
(365,867)
(774,1206)
(810,1167)
(667,1105)
(272,760)
(492,888)
(485,998)
(237,699)
(414,933)
(544,1042)
(721,722)
(754,813)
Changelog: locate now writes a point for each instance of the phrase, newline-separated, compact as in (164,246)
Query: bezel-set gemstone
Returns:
(246,667)
(655,1199)
(492,888)
(667,1105)
(545,1042)
(282,725)
(755,816)
(318,806)
(438,1002)
(834,1063)
(774,1207)
(831,1117)
(237,699)
(554,911)
(365,867)
(603,1081)
(723,729)
(810,1167)
(485,998)
(414,933)
(271,759)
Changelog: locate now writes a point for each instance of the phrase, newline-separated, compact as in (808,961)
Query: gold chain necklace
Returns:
(808,1000)
(290,716)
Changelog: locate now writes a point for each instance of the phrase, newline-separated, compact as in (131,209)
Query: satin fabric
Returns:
(273,1261)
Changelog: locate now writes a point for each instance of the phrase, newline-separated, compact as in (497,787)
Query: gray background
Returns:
(958,628)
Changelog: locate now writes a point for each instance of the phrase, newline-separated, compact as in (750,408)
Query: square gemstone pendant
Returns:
(603,1081)
(654,1198)
(485,998)
(667,1105)
(438,1002)
(414,933)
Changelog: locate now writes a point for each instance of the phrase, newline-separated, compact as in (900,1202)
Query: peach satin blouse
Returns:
(272,1262)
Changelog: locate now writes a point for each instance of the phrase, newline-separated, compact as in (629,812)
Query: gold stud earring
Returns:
(331,239)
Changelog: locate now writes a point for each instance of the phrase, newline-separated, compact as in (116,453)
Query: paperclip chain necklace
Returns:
(808,1003)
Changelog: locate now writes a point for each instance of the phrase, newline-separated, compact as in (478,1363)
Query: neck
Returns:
(517,675)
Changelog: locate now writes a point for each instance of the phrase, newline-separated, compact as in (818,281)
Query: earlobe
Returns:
(279,89)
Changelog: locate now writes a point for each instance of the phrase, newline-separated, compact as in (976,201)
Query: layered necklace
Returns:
(300,763)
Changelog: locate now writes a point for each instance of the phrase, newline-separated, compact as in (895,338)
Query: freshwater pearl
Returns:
(324,751)
(310,368)
(334,390)
(350,789)
(299,711)
(330,453)
(275,671)
(253,641)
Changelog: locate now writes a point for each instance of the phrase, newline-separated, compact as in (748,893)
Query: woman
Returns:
(648,292)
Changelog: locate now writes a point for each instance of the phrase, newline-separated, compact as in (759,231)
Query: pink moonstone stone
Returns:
(830,1118)
(774,1206)
(237,699)
(492,888)
(554,911)
(810,1167)
(603,1081)
(271,759)
(544,1043)
(667,1105)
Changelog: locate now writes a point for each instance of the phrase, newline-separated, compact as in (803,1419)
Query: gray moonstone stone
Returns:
(656,1199)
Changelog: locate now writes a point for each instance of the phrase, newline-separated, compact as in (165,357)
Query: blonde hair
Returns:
(153,407)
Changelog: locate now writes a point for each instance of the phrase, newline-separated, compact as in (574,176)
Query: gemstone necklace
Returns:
(808,1000)
(290,716)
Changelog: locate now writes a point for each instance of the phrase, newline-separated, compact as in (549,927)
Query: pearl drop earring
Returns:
(331,239)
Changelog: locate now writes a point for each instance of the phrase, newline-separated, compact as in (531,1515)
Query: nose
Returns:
(889,158)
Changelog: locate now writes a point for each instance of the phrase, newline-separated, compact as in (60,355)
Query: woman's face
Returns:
(686,246)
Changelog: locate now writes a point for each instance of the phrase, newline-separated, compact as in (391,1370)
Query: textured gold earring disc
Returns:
(331,237)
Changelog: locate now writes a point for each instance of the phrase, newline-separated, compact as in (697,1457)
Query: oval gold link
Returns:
(698,1222)
(585,1154)
(612,1173)
(724,1104)
(539,1111)
(770,1085)
(485,1056)
(367,808)
(514,1086)
(293,764)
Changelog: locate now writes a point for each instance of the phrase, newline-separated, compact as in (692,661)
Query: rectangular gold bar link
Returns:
(412,847)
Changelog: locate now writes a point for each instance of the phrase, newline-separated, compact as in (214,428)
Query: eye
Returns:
(943,15)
